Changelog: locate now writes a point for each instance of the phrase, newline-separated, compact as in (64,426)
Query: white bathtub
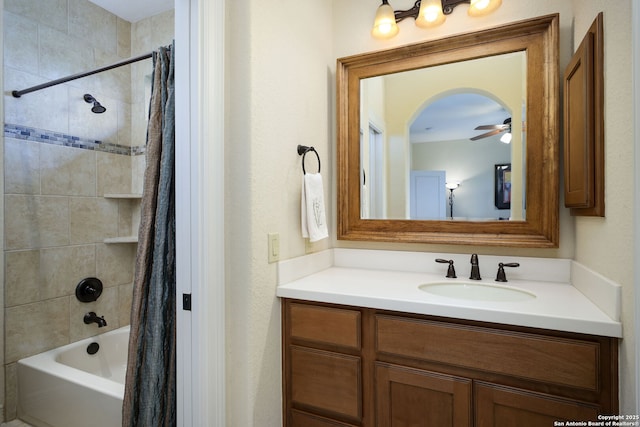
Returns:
(67,387)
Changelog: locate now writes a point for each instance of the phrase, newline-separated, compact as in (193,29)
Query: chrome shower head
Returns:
(97,107)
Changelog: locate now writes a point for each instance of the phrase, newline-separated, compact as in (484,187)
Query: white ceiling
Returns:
(135,10)
(455,117)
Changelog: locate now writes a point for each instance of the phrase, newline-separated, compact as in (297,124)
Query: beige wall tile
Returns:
(49,12)
(123,29)
(22,277)
(11,388)
(63,268)
(106,305)
(141,37)
(34,328)
(138,124)
(94,24)
(162,29)
(125,217)
(45,109)
(36,221)
(125,295)
(62,54)
(92,220)
(20,43)
(141,82)
(114,173)
(87,124)
(21,167)
(115,83)
(148,34)
(67,171)
(124,124)
(114,263)
(137,173)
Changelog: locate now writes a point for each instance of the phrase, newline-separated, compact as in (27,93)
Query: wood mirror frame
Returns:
(539,38)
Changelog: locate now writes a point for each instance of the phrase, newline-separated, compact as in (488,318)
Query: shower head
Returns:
(97,107)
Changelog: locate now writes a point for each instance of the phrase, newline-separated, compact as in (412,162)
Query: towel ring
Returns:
(302,151)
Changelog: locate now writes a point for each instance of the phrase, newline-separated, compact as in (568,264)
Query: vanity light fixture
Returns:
(427,13)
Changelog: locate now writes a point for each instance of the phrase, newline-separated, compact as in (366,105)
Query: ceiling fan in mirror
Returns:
(505,128)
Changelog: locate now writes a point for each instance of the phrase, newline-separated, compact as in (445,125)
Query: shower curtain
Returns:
(150,388)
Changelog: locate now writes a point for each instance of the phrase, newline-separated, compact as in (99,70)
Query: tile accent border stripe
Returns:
(57,138)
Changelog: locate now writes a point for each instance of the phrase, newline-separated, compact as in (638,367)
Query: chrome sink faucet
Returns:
(475,268)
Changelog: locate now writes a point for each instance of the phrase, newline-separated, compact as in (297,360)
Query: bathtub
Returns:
(68,387)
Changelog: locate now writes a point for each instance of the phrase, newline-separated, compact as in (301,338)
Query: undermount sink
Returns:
(476,291)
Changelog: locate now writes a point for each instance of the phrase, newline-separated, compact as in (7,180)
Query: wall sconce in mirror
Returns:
(451,186)
(427,13)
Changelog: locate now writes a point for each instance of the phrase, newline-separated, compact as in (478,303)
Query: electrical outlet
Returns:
(274,247)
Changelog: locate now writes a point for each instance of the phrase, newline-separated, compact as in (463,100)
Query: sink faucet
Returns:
(92,317)
(475,268)
(451,271)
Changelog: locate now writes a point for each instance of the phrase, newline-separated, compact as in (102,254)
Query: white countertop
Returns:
(557,306)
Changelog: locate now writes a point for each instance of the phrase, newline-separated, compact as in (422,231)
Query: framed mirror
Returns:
(422,139)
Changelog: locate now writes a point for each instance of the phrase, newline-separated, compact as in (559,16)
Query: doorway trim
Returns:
(199,38)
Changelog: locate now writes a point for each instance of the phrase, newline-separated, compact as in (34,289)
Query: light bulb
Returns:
(506,138)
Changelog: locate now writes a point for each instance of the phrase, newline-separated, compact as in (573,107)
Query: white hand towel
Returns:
(314,223)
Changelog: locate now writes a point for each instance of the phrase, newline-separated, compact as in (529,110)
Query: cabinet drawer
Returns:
(325,325)
(565,362)
(327,382)
(302,419)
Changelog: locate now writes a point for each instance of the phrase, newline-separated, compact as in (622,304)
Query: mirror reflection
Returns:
(445,142)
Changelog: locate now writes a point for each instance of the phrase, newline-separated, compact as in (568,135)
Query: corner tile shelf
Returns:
(122,239)
(122,196)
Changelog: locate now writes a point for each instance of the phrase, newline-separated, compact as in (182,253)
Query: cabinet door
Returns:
(410,397)
(498,406)
(584,126)
(326,383)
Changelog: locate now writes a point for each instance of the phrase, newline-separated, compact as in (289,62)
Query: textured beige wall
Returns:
(279,95)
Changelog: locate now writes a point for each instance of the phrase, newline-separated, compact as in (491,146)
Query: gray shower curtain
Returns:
(150,388)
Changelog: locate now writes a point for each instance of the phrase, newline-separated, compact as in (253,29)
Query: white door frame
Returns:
(199,68)
(635,43)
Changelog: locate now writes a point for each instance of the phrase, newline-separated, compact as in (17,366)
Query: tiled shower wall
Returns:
(56,218)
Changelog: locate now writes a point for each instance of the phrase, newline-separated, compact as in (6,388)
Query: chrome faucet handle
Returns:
(451,271)
(502,277)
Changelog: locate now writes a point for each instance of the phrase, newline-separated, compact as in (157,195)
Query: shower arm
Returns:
(19,93)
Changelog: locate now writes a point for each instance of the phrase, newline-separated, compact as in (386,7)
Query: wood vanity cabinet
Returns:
(354,366)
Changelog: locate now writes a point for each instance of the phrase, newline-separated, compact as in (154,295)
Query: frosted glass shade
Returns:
(430,14)
(483,7)
(384,26)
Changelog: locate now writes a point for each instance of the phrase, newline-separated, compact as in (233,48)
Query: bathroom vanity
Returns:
(355,366)
(365,347)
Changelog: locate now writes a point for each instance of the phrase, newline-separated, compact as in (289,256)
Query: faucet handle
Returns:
(451,271)
(502,277)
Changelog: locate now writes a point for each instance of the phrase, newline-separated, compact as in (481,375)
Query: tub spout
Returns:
(92,317)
